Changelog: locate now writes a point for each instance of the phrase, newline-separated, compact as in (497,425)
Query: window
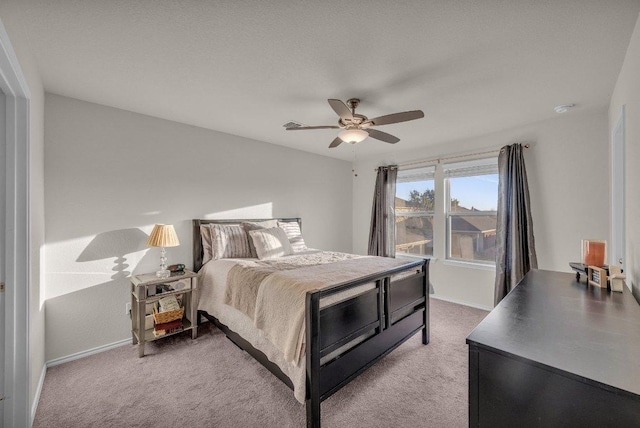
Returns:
(471,210)
(448,211)
(414,208)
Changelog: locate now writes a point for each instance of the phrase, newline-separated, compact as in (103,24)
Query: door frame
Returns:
(618,190)
(17,260)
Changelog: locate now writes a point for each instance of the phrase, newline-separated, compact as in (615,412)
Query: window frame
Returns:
(449,214)
(430,175)
(442,216)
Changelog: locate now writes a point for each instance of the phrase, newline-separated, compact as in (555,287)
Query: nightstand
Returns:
(147,289)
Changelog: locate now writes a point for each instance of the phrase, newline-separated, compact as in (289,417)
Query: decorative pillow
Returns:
(255,225)
(270,243)
(229,241)
(205,235)
(292,229)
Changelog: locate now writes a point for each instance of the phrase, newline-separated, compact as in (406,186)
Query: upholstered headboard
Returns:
(197,238)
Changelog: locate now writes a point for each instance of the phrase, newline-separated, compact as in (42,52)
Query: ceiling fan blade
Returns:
(397,117)
(302,128)
(341,109)
(335,143)
(382,136)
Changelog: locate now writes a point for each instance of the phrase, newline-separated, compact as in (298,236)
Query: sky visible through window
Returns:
(480,192)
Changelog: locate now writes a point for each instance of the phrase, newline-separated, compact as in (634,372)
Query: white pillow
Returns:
(255,225)
(229,241)
(292,229)
(270,243)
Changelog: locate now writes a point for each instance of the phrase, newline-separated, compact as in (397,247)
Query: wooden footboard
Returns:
(346,338)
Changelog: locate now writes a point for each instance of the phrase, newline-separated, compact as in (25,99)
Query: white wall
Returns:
(627,93)
(112,174)
(8,11)
(566,164)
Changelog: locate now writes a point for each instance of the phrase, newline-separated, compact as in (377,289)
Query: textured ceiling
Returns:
(247,67)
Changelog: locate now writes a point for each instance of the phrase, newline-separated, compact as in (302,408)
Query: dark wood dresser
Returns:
(556,353)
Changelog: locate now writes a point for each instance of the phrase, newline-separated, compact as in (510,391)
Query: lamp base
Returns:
(163,273)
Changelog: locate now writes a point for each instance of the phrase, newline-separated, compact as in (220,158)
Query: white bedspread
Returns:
(279,309)
(277,327)
(211,291)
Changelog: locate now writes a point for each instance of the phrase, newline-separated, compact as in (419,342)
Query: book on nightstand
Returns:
(160,333)
(167,327)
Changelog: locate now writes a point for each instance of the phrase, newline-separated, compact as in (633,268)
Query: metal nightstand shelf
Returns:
(140,299)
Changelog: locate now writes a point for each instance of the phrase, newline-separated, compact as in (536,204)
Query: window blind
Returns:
(470,168)
(417,174)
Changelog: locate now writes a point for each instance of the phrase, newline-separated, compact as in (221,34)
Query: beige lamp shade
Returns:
(163,235)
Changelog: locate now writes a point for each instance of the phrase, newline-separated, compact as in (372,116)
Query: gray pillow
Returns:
(205,235)
(255,225)
(229,241)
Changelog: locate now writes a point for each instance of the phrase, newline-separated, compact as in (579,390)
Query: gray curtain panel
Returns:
(515,246)
(382,237)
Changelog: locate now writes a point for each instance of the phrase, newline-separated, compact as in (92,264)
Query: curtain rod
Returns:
(438,160)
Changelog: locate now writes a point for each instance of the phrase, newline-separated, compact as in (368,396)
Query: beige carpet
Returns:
(209,382)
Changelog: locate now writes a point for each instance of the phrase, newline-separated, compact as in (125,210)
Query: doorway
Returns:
(14,145)
(3,210)
(618,240)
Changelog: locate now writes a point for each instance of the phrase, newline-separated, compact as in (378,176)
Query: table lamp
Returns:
(163,235)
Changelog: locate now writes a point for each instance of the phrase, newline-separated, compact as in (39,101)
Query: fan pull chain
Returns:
(355,160)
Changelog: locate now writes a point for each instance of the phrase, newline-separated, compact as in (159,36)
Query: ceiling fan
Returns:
(357,127)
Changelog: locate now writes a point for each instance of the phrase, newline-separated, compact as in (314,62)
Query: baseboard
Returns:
(36,399)
(82,354)
(461,302)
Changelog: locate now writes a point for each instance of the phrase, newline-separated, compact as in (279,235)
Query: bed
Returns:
(365,308)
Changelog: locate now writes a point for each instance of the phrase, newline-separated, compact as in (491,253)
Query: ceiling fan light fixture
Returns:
(353,136)
(357,127)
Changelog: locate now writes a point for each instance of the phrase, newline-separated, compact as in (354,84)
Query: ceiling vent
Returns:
(292,124)
(563,108)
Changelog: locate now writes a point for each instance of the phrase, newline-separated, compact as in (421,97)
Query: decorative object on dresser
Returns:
(556,354)
(339,313)
(580,269)
(597,276)
(616,278)
(163,235)
(606,276)
(594,252)
(163,306)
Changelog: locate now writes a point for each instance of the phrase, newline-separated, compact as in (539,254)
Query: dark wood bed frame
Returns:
(393,311)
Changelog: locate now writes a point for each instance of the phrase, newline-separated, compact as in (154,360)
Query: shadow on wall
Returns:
(97,311)
(115,243)
(97,314)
